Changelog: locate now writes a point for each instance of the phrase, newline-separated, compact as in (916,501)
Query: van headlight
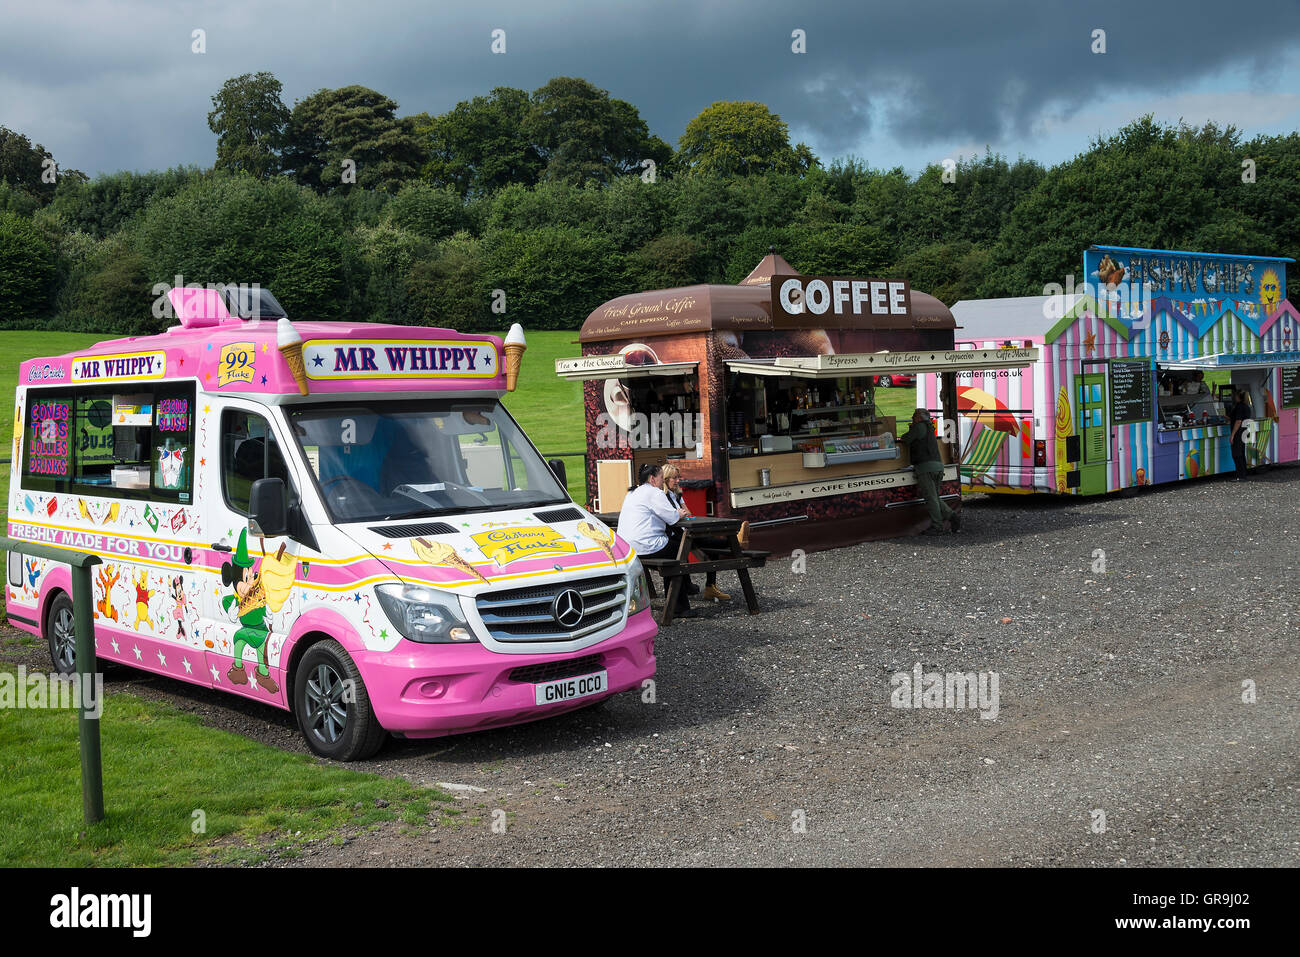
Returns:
(638,598)
(424,614)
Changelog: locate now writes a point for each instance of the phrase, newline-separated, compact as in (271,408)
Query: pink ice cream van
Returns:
(337,519)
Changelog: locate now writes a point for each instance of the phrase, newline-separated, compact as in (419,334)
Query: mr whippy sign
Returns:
(394,359)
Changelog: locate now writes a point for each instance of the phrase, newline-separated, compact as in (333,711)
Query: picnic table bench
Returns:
(676,571)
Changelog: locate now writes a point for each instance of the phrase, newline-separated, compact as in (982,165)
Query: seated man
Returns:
(643,523)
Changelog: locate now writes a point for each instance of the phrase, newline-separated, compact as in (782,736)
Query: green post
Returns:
(83,620)
(92,774)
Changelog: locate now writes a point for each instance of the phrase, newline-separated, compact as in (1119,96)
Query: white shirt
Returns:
(644,518)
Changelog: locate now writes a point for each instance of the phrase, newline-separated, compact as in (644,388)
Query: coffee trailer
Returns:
(763,394)
(1109,404)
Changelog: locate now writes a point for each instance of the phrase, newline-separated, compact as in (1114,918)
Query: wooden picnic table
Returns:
(676,571)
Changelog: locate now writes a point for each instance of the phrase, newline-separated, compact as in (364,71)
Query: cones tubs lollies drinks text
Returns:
(289,343)
(515,346)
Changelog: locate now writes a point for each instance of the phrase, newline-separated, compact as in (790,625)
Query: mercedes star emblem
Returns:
(567,609)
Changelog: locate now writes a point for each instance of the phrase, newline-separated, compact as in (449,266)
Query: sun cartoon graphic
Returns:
(1270,290)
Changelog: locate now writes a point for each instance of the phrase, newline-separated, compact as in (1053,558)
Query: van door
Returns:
(251,606)
(1094,428)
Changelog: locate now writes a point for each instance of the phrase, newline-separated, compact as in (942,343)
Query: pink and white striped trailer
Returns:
(1133,384)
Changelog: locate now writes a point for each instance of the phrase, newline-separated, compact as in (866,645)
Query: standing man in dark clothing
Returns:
(924,452)
(1240,413)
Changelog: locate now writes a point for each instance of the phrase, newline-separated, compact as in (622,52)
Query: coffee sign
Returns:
(815,302)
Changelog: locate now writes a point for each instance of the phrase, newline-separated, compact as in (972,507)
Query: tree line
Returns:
(553,201)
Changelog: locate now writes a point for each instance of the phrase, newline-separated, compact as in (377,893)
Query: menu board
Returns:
(1290,387)
(1130,391)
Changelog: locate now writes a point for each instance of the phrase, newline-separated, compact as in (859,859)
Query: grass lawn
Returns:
(550,408)
(161,766)
(898,401)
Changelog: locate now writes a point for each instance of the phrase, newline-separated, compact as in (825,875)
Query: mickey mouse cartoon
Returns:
(250,601)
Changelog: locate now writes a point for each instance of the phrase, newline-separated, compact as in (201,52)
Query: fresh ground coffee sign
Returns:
(815,302)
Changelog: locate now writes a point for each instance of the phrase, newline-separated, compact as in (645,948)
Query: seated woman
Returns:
(673,489)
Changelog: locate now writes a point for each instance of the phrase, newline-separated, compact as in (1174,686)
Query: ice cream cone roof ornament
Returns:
(514,347)
(289,343)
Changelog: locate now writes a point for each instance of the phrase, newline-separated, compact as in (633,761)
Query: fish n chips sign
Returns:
(815,302)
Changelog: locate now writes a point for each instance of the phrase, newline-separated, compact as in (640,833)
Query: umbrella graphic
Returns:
(980,406)
(985,443)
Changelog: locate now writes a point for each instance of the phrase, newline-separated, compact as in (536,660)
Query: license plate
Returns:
(564,689)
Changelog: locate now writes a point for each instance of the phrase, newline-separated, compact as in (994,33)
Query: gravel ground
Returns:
(772,739)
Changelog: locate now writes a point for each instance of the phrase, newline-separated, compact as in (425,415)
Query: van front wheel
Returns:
(61,633)
(332,706)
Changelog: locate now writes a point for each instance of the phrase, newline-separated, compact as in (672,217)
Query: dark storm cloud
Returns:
(117,86)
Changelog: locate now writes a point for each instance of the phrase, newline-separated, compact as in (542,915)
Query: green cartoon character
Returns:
(250,599)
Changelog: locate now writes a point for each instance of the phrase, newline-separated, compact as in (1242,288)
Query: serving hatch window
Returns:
(394,459)
(806,410)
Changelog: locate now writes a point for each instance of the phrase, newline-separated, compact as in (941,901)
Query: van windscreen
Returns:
(392,459)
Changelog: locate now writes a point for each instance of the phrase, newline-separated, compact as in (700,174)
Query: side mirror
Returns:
(557,467)
(267,506)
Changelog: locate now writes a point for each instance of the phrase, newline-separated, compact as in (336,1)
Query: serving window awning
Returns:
(616,367)
(877,363)
(1236,360)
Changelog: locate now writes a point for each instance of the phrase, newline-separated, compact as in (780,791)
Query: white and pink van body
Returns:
(423,532)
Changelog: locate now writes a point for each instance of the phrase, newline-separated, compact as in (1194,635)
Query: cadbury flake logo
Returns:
(506,545)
